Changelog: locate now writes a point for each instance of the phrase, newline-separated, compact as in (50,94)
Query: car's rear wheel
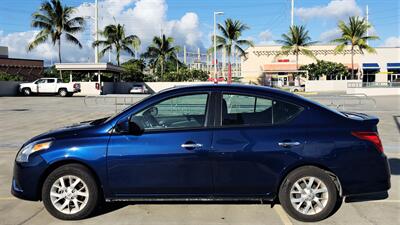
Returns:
(70,192)
(26,91)
(308,194)
(63,92)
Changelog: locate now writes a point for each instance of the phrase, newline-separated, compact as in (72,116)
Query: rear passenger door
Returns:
(254,140)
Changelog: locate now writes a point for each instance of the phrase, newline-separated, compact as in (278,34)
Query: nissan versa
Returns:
(211,142)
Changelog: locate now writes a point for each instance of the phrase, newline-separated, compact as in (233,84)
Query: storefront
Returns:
(267,64)
(393,72)
(369,72)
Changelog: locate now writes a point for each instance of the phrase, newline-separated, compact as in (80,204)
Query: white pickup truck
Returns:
(49,86)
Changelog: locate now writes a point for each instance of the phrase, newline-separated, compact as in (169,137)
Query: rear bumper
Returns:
(366,178)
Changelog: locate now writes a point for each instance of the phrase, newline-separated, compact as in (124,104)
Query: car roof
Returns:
(245,88)
(229,87)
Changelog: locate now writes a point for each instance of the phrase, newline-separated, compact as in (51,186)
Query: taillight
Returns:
(77,86)
(372,137)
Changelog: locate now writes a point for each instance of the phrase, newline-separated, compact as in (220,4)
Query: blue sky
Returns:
(190,21)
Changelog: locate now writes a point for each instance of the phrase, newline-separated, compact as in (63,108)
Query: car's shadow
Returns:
(108,207)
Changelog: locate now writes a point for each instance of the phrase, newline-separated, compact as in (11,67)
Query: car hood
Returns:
(67,131)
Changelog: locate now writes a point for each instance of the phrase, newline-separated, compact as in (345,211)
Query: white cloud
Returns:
(265,37)
(392,42)
(144,18)
(329,35)
(337,9)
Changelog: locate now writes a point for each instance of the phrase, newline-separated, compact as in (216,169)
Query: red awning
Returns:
(277,67)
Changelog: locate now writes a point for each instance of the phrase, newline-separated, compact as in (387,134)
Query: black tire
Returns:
(26,91)
(63,92)
(86,176)
(332,203)
(69,94)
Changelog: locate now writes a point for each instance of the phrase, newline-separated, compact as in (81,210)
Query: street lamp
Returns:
(215,43)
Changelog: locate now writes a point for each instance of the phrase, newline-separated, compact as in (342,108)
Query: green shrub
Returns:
(10,77)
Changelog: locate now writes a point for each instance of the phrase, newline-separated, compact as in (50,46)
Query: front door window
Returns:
(187,111)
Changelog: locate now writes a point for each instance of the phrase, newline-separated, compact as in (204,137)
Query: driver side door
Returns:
(170,157)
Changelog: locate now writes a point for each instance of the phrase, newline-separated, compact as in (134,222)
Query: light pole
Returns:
(292,14)
(215,44)
(96,18)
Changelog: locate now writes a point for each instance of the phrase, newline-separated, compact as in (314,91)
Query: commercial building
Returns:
(267,66)
(29,69)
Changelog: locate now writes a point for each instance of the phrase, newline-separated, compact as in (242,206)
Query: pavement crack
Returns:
(31,217)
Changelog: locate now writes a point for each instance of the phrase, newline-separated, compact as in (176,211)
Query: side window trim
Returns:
(219,117)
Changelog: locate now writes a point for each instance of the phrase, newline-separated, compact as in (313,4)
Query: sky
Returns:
(190,22)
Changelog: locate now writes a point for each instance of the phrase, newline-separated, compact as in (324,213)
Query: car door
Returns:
(47,86)
(171,157)
(255,141)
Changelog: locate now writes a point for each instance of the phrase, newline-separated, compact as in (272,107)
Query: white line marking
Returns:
(282,215)
(7,198)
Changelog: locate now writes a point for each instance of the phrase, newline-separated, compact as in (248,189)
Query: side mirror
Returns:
(135,129)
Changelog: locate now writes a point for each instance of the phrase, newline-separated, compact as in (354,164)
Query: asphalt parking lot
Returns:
(24,117)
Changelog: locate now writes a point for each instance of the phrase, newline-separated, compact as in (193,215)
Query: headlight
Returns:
(25,152)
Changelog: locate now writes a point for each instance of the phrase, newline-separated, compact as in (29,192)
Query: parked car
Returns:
(210,142)
(300,88)
(138,89)
(49,86)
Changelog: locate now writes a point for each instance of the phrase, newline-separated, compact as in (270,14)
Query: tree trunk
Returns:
(59,55)
(229,69)
(297,77)
(117,57)
(59,50)
(352,62)
(162,69)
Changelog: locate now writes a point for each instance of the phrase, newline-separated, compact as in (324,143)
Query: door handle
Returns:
(288,144)
(191,145)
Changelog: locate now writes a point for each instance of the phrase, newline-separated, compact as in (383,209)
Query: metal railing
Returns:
(343,101)
(119,102)
(373,85)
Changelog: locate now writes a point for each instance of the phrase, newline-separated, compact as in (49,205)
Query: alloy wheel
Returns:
(309,195)
(69,194)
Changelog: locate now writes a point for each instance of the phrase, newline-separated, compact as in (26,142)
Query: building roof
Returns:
(105,67)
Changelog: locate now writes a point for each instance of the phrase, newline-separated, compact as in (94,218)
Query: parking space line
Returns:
(7,198)
(282,215)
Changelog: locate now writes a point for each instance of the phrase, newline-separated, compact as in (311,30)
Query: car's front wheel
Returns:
(309,194)
(26,91)
(70,192)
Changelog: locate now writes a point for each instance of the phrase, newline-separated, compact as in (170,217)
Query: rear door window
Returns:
(240,109)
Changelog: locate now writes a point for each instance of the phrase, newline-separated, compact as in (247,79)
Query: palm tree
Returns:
(354,34)
(161,51)
(54,20)
(116,38)
(296,42)
(232,31)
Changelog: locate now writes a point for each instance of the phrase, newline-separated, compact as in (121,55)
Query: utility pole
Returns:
(96,19)
(367,19)
(292,15)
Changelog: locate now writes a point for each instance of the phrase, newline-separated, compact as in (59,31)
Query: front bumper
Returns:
(27,179)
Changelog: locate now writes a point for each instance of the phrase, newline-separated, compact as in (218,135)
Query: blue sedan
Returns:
(208,142)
